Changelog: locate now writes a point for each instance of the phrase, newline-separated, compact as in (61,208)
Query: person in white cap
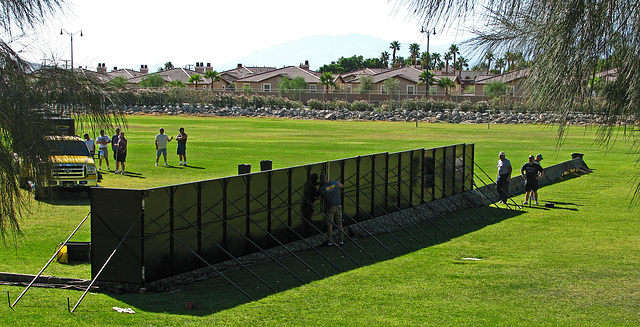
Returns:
(504,177)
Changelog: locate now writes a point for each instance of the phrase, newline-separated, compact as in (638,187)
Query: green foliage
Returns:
(291,88)
(391,85)
(119,82)
(495,89)
(195,78)
(315,104)
(326,79)
(176,83)
(344,65)
(361,105)
(154,80)
(366,84)
(247,89)
(466,105)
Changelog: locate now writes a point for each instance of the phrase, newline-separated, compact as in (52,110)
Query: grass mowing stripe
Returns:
(577,264)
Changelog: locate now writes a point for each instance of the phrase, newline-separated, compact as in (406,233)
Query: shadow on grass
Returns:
(217,294)
(65,198)
(133,174)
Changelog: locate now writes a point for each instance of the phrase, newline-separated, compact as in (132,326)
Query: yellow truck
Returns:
(73,166)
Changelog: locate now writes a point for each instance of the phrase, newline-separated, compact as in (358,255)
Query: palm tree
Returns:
(447,57)
(454,51)
(384,57)
(395,46)
(195,78)
(509,58)
(447,84)
(489,56)
(500,64)
(436,59)
(414,50)
(461,64)
(26,97)
(425,59)
(427,78)
(326,79)
(214,76)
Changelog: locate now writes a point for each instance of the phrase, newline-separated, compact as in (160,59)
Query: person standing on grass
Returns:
(91,144)
(538,159)
(330,191)
(121,153)
(114,143)
(103,151)
(531,173)
(182,146)
(504,177)
(161,146)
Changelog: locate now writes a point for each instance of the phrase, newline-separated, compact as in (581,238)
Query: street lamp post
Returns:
(70,35)
(426,31)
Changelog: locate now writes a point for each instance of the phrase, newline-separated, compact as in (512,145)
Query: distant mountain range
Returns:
(321,50)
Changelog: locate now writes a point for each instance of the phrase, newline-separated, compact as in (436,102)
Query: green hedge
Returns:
(181,96)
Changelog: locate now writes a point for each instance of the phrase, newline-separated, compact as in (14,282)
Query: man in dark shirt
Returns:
(114,143)
(330,191)
(182,146)
(531,173)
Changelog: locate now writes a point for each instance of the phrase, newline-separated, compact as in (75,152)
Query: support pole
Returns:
(49,262)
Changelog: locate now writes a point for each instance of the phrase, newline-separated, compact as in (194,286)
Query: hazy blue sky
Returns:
(127,33)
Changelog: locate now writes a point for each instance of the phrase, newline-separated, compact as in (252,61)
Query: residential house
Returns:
(408,82)
(514,80)
(346,82)
(268,81)
(174,74)
(229,77)
(468,78)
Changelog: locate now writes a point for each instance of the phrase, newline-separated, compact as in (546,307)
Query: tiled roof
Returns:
(242,72)
(290,71)
(409,73)
(504,78)
(126,73)
(90,73)
(354,75)
(174,74)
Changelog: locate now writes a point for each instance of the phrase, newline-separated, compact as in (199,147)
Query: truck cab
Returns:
(73,166)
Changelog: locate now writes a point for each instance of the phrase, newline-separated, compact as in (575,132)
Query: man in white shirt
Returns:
(103,148)
(503,178)
(91,145)
(161,146)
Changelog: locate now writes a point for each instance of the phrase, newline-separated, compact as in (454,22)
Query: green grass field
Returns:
(577,264)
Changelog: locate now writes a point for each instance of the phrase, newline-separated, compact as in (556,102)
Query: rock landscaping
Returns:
(445,116)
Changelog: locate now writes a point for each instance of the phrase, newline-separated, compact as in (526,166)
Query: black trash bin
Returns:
(266,165)
(577,155)
(244,169)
